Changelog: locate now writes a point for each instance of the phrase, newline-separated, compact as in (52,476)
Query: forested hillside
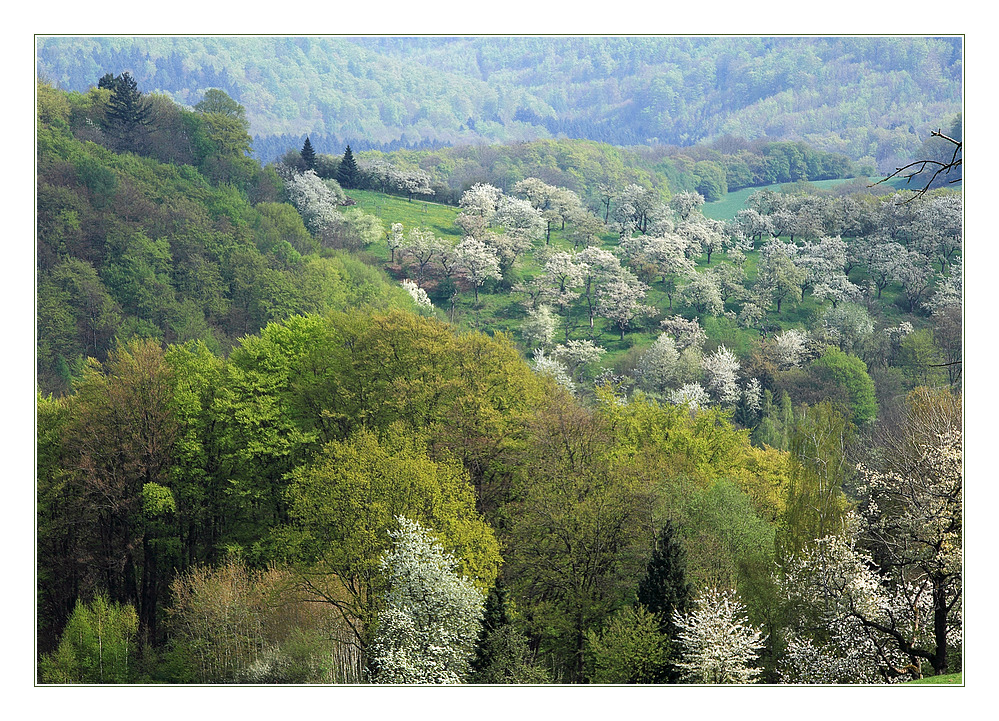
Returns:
(302,423)
(874,99)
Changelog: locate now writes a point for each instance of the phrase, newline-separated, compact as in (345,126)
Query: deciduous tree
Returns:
(428,629)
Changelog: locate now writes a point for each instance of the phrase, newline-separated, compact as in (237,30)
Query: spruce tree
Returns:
(127,111)
(665,588)
(308,155)
(348,174)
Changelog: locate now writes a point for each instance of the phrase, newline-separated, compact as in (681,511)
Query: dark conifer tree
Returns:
(348,173)
(494,616)
(128,111)
(308,155)
(665,588)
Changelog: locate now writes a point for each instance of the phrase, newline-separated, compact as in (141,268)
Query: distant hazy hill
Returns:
(870,98)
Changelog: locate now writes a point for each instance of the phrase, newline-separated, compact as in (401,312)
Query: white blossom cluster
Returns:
(719,645)
(721,369)
(548,365)
(316,200)
(428,630)
(419,295)
(790,347)
(691,395)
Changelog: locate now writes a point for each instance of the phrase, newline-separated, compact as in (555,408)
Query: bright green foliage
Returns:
(630,648)
(727,544)
(502,655)
(850,372)
(670,441)
(921,359)
(97,646)
(816,506)
(344,503)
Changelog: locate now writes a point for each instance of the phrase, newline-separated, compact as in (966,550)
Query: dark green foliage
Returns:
(665,589)
(128,112)
(308,155)
(502,655)
(348,174)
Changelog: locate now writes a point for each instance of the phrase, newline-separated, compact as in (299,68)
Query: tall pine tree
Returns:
(347,174)
(308,155)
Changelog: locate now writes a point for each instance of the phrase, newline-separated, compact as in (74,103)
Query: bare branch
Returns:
(918,167)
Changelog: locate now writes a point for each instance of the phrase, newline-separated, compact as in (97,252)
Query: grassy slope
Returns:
(945,679)
(732,203)
(499,309)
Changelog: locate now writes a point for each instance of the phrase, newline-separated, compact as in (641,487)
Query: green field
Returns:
(945,679)
(732,203)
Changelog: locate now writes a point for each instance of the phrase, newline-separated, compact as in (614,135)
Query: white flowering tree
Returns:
(563,273)
(422,246)
(428,629)
(549,365)
(658,368)
(620,301)
(686,333)
(832,586)
(821,259)
(477,263)
(703,292)
(316,200)
(481,200)
(666,254)
(395,239)
(519,218)
(890,585)
(579,355)
(419,296)
(719,646)
(539,328)
(601,266)
(703,235)
(691,395)
(790,348)
(721,370)
(848,325)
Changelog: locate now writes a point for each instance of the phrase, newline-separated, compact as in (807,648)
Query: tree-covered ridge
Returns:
(181,238)
(873,99)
